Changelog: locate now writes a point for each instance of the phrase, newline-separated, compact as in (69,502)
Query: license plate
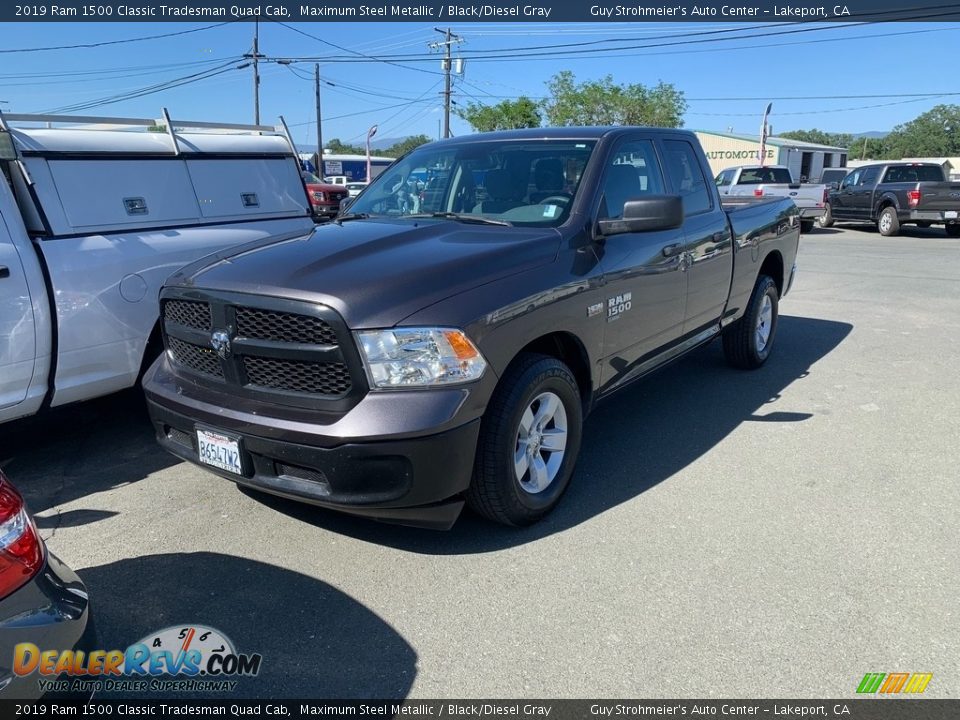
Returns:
(950,215)
(219,450)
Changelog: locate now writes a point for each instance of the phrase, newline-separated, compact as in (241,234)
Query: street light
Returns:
(370,133)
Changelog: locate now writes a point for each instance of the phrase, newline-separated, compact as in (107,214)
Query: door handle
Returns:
(671,250)
(4,272)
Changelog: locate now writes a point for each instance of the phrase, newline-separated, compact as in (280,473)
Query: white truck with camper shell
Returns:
(92,221)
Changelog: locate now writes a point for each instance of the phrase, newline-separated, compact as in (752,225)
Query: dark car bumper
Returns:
(52,612)
(325,211)
(935,216)
(418,479)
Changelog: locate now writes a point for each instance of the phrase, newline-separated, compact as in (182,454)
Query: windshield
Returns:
(519,182)
(757,176)
(309,177)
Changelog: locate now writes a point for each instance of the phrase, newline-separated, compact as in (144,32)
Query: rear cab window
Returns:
(914,173)
(687,177)
(765,175)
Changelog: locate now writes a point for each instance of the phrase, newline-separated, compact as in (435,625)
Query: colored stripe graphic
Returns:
(870,682)
(918,682)
(894,683)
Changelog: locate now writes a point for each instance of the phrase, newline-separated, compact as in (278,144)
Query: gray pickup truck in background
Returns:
(409,358)
(775,181)
(896,193)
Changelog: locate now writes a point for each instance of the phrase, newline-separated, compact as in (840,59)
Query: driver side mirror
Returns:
(646,214)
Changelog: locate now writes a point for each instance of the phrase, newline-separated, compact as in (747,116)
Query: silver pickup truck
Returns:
(774,181)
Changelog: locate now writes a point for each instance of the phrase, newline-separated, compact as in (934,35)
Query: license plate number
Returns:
(219,450)
(950,215)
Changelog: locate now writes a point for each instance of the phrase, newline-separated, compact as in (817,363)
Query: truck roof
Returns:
(44,141)
(561,133)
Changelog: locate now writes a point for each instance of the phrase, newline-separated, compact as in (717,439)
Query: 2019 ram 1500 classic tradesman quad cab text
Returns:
(408,358)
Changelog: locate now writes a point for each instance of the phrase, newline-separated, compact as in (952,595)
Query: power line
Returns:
(112,42)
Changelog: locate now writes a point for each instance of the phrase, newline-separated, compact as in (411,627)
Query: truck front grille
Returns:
(283,327)
(201,359)
(280,351)
(296,376)
(189,313)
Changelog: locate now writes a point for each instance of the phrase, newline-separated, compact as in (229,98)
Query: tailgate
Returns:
(939,196)
(804,196)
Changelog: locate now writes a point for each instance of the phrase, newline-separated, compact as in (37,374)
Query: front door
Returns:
(708,243)
(17,333)
(644,287)
(841,200)
(861,202)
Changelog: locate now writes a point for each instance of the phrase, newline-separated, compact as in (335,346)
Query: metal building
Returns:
(805,160)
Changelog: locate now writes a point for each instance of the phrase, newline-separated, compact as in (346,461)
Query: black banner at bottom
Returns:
(850,709)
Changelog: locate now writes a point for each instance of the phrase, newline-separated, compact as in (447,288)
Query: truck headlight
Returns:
(419,357)
(319,196)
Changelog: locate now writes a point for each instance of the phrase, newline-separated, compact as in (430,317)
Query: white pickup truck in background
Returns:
(92,221)
(775,181)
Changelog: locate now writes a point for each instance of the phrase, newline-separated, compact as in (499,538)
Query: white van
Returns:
(92,222)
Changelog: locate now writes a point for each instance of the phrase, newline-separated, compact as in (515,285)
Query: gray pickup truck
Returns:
(420,353)
(894,194)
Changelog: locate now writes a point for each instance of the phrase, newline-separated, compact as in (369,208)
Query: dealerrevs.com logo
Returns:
(178,658)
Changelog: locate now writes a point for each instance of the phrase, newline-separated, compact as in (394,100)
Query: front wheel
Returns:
(529,441)
(826,219)
(806,226)
(888,223)
(748,341)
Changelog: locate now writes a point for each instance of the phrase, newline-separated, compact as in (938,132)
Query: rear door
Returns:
(841,200)
(17,330)
(707,240)
(644,288)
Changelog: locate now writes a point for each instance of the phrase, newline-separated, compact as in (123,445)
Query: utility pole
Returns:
(255,57)
(316,83)
(448,41)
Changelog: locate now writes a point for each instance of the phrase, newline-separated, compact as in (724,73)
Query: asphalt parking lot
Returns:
(727,534)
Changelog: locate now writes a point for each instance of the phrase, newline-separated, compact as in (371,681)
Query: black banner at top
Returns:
(468,11)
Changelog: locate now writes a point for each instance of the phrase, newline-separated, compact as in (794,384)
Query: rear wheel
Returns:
(953,230)
(888,224)
(747,342)
(826,219)
(529,440)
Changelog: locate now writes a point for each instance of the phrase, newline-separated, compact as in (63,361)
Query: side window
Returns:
(687,177)
(869,176)
(633,172)
(851,179)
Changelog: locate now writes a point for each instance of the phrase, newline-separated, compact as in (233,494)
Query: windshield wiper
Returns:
(350,216)
(479,220)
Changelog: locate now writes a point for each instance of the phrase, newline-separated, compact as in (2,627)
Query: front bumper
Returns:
(417,479)
(52,612)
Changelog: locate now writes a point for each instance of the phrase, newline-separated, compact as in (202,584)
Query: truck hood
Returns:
(376,272)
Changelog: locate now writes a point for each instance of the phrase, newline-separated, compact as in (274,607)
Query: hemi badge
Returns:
(595,309)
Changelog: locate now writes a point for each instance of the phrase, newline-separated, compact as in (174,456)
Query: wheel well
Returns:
(567,348)
(773,266)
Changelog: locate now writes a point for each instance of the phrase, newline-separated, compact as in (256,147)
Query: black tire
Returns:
(826,219)
(495,492)
(740,341)
(806,226)
(888,223)
(952,230)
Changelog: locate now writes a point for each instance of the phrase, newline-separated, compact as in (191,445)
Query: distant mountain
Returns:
(872,134)
(387,142)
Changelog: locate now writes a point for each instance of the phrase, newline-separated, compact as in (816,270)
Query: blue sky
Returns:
(834,60)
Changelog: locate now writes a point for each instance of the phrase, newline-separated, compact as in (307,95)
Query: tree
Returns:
(843,140)
(935,133)
(405,146)
(507,115)
(337,147)
(603,102)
